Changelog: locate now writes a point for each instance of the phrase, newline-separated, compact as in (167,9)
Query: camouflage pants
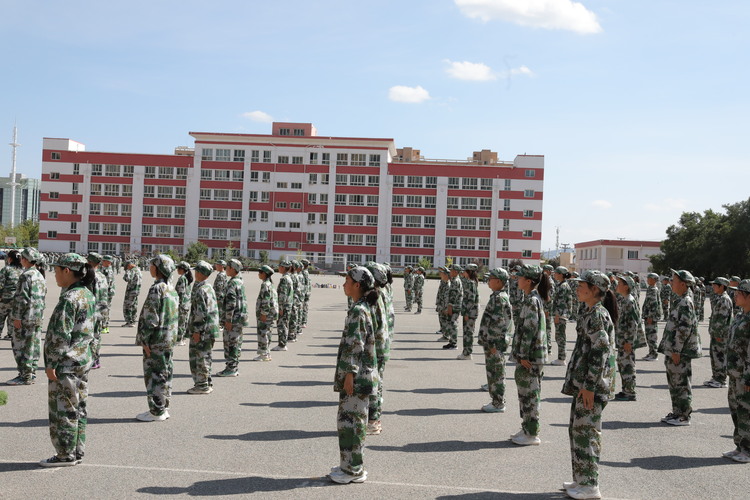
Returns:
(652,336)
(626,367)
(739,408)
(718,359)
(294,320)
(26,344)
(376,400)
(409,298)
(678,378)
(560,337)
(67,413)
(529,384)
(305,310)
(96,343)
(548,326)
(451,328)
(200,361)
(182,320)
(264,336)
(468,334)
(233,346)
(418,299)
(665,309)
(700,309)
(352,427)
(585,433)
(105,320)
(130,308)
(157,374)
(494,365)
(282,327)
(5,308)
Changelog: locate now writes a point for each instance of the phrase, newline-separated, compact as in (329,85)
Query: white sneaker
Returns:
(519,433)
(526,440)
(485,387)
(491,408)
(280,348)
(730,454)
(200,390)
(569,484)
(558,362)
(150,417)
(262,357)
(714,383)
(374,428)
(742,458)
(463,356)
(338,476)
(678,421)
(669,416)
(584,492)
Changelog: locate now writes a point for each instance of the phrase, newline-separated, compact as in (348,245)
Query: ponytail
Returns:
(87,275)
(543,287)
(371,296)
(41,266)
(189,276)
(610,304)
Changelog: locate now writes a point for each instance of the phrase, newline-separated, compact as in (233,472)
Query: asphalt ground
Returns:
(271,432)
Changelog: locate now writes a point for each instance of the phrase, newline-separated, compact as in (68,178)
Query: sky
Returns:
(639,107)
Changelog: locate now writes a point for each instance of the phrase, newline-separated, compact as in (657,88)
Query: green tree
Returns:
(263,257)
(425,262)
(196,251)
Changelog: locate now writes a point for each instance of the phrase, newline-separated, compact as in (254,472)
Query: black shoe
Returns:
(449,345)
(624,397)
(57,462)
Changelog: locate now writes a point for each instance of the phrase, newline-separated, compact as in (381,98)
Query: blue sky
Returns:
(641,108)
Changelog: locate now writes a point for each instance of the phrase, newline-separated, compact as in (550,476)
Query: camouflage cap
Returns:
(735,278)
(31,254)
(744,286)
(164,264)
(351,265)
(221,262)
(627,280)
(562,270)
(297,264)
(595,278)
(305,262)
(652,276)
(529,271)
(472,267)
(204,268)
(575,274)
(720,281)
(684,275)
(285,263)
(547,267)
(72,261)
(379,273)
(456,267)
(183,265)
(407,268)
(235,264)
(443,270)
(421,269)
(361,275)
(266,269)
(500,274)
(107,258)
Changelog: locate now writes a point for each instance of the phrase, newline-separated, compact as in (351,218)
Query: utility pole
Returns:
(13,182)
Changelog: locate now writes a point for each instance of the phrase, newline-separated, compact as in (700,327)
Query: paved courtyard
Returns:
(271,432)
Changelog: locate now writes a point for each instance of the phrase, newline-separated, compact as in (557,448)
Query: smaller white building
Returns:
(616,256)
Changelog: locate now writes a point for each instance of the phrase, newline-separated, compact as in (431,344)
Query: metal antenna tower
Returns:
(13,182)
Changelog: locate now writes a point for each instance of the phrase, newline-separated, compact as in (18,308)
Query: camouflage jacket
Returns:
(379,313)
(681,331)
(629,323)
(204,311)
(356,352)
(285,292)
(235,302)
(592,363)
(408,281)
(562,301)
(441,299)
(28,302)
(67,345)
(157,324)
(298,286)
(470,299)
(496,326)
(455,294)
(552,289)
(665,293)
(721,317)
(183,289)
(109,273)
(220,286)
(389,310)
(738,348)
(308,284)
(134,278)
(267,302)
(418,283)
(9,276)
(100,290)
(530,337)
(651,305)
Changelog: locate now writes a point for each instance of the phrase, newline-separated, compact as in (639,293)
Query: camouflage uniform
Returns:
(665,295)
(157,329)
(441,302)
(295,325)
(592,368)
(67,350)
(548,311)
(469,313)
(285,292)
(576,305)
(220,286)
(626,332)
(133,278)
(100,289)
(356,355)
(408,288)
(266,304)
(28,307)
(418,289)
(109,274)
(718,328)
(738,370)
(235,312)
(454,299)
(651,311)
(700,300)
(530,343)
(204,321)
(562,309)
(306,296)
(681,336)
(382,333)
(495,334)
(9,276)
(183,289)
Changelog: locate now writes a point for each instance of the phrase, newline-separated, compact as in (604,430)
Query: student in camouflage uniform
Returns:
(109,273)
(734,282)
(383,333)
(235,319)
(266,312)
(295,325)
(307,291)
(530,351)
(651,314)
(738,369)
(28,316)
(408,287)
(220,284)
(203,329)
(665,295)
(573,284)
(349,301)
(495,333)
(718,329)
(548,270)
(67,360)
(452,311)
(680,343)
(700,298)
(356,376)
(157,334)
(562,309)
(99,287)
(469,308)
(418,288)
(627,327)
(133,278)
(285,292)
(441,301)
(8,281)
(590,379)
(184,288)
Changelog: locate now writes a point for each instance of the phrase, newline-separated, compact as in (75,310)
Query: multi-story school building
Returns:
(293,193)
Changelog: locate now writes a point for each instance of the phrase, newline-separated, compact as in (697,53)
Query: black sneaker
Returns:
(58,462)
(669,416)
(450,345)
(624,397)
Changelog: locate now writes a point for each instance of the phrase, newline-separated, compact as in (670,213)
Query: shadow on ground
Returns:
(671,462)
(239,486)
(446,446)
(282,435)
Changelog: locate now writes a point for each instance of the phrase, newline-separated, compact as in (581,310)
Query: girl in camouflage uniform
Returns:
(266,312)
(418,288)
(469,309)
(738,369)
(8,281)
(590,380)
(495,334)
(235,319)
(67,360)
(285,293)
(627,326)
(183,287)
(203,328)
(562,309)
(100,288)
(356,376)
(718,329)
(382,331)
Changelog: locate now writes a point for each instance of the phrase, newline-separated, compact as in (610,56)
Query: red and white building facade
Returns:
(293,193)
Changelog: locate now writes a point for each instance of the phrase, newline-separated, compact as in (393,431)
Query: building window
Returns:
(373,180)
(528,193)
(372,200)
(468,223)
(356,180)
(283,159)
(322,218)
(55,156)
(398,181)
(220,214)
(371,240)
(450,242)
(109,229)
(428,241)
(430,182)
(633,254)
(222,155)
(372,220)
(528,233)
(530,173)
(341,179)
(95,209)
(486,185)
(412,241)
(54,176)
(414,181)
(430,201)
(296,185)
(73,227)
(453,183)
(413,221)
(321,238)
(356,220)
(397,220)
(526,254)
(338,239)
(266,157)
(528,214)
(506,186)
(281,205)
(239,155)
(94,227)
(342,158)
(452,202)
(354,239)
(484,244)
(467,243)
(96,190)
(485,203)
(295,205)
(220,194)
(74,208)
(359,159)
(52,215)
(76,169)
(468,183)
(313,178)
(165,192)
(398,200)
(374,160)
(324,178)
(264,216)
(414,201)
(326,158)
(252,216)
(149,191)
(111,209)
(96,169)
(506,205)
(451,222)
(468,203)
(396,240)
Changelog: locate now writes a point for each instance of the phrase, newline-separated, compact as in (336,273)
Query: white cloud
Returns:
(258,116)
(523,70)
(667,204)
(604,204)
(401,93)
(465,70)
(547,14)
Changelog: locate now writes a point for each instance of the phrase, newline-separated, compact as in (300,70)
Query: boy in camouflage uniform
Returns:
(235,318)
(307,291)
(469,308)
(418,288)
(133,278)
(495,333)
(28,316)
(220,284)
(562,309)
(203,329)
(8,282)
(295,326)
(651,314)
(408,287)
(285,292)
(718,329)
(99,287)
(452,310)
(441,298)
(157,334)
(109,273)
(548,269)
(738,369)
(67,360)
(266,312)
(627,327)
(680,343)
(665,295)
